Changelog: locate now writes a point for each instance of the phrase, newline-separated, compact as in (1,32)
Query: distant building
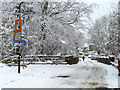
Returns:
(85,49)
(92,48)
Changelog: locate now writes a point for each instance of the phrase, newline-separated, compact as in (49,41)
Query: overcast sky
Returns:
(104,6)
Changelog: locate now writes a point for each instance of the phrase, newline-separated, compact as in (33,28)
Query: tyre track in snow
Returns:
(89,75)
(98,74)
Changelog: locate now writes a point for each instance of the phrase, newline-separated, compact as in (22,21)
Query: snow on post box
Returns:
(18,30)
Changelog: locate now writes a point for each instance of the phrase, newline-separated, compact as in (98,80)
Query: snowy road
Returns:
(85,74)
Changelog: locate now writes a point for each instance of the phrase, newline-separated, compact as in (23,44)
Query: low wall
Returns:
(104,60)
(73,60)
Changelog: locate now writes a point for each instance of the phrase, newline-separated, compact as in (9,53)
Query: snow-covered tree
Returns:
(61,20)
(48,27)
(104,33)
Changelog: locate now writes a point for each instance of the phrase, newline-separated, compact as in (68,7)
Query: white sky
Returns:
(104,6)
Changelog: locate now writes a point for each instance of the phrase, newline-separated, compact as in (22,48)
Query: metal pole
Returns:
(23,56)
(19,59)
(19,46)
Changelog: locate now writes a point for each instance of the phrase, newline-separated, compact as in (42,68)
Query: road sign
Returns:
(13,41)
(18,30)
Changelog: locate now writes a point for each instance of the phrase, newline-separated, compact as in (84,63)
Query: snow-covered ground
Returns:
(85,74)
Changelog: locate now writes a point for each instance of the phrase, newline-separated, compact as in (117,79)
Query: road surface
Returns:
(90,75)
(85,74)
